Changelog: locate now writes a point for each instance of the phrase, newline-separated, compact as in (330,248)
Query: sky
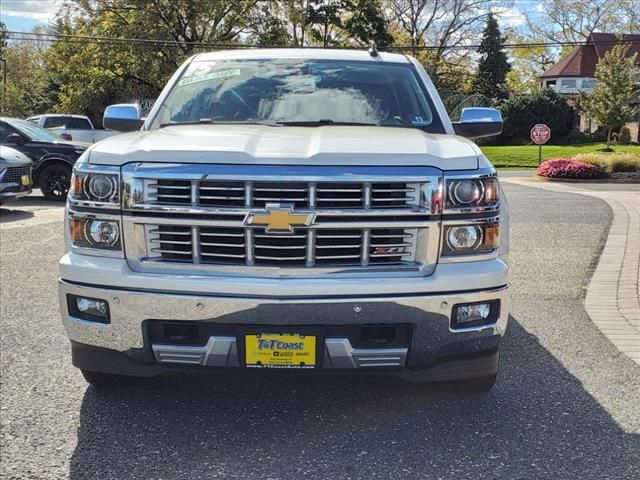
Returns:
(23,15)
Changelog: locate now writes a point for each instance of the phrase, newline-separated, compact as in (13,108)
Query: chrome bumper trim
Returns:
(221,351)
(341,354)
(218,352)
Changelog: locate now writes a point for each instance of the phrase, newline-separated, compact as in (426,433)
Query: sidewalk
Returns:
(613,296)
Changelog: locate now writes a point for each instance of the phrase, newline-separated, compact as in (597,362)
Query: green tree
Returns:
(27,89)
(366,23)
(522,112)
(609,103)
(493,67)
(93,74)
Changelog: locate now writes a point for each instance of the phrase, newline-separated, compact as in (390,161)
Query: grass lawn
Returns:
(526,156)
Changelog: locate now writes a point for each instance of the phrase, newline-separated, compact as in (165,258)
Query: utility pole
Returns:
(4,74)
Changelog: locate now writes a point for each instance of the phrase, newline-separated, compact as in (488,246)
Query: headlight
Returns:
(95,233)
(471,194)
(89,184)
(470,239)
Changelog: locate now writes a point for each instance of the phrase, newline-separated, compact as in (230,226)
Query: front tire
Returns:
(54,181)
(105,380)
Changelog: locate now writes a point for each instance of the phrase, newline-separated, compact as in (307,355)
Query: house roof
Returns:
(582,60)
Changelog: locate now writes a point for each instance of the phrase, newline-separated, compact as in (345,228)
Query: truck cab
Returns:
(291,209)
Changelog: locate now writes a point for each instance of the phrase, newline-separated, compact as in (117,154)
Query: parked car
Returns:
(15,174)
(289,209)
(71,127)
(52,157)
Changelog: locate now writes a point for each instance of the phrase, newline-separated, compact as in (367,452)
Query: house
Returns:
(575,72)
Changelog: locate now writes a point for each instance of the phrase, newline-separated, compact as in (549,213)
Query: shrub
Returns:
(618,162)
(624,137)
(523,112)
(568,168)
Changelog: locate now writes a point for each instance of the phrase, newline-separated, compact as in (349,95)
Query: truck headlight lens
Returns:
(470,239)
(464,192)
(102,187)
(95,187)
(464,237)
(471,194)
(95,233)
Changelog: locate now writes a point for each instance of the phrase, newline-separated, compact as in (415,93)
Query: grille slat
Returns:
(304,248)
(309,195)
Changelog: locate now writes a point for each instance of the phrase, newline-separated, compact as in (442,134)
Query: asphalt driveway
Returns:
(567,403)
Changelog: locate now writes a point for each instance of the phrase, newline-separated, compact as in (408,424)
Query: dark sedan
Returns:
(52,157)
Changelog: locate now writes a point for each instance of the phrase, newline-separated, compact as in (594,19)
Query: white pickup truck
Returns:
(77,128)
(293,209)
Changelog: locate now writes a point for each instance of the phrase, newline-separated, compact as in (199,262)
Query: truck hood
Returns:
(275,145)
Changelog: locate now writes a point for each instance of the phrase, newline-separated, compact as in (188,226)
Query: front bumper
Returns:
(434,349)
(9,191)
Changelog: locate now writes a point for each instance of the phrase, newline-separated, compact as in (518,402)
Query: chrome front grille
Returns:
(316,195)
(304,248)
(14,174)
(214,219)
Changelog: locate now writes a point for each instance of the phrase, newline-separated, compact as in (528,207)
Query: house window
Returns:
(568,83)
(551,83)
(588,83)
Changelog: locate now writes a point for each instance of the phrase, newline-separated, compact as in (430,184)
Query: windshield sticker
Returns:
(200,76)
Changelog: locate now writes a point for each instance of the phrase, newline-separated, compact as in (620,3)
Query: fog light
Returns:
(91,309)
(475,314)
(91,306)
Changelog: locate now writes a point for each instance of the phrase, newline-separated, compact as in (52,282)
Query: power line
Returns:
(90,39)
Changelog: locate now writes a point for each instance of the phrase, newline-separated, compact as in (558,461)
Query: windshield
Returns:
(34,132)
(293,91)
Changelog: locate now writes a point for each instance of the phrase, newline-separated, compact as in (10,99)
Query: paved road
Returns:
(567,403)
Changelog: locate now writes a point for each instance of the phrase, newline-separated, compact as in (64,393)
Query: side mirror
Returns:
(123,117)
(15,138)
(477,122)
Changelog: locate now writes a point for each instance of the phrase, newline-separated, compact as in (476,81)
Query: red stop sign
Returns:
(540,134)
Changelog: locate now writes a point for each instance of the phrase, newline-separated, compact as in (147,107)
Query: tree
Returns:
(366,23)
(491,77)
(523,112)
(575,20)
(94,74)
(441,24)
(609,103)
(27,89)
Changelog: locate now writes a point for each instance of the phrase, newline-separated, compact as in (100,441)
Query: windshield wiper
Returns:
(324,121)
(208,121)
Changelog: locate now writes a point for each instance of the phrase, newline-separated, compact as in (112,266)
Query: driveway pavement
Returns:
(613,297)
(566,406)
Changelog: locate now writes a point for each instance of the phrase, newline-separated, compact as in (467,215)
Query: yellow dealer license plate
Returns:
(25,180)
(279,350)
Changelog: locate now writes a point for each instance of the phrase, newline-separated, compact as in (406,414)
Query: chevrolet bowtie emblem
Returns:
(279,219)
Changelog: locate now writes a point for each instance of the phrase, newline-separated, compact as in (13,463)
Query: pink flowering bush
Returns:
(568,168)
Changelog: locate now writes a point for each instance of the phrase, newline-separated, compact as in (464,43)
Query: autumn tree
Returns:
(609,103)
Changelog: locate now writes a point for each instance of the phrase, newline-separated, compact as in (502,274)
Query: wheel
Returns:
(105,380)
(473,385)
(54,181)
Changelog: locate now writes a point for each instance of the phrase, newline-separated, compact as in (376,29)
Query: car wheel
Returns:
(54,181)
(105,380)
